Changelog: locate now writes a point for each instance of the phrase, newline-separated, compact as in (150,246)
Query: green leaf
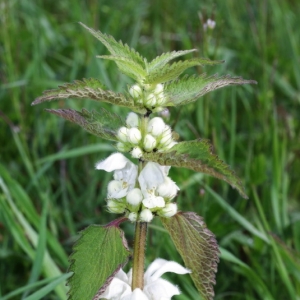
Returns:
(127,66)
(117,48)
(197,155)
(103,124)
(171,72)
(198,248)
(88,89)
(163,59)
(190,88)
(100,252)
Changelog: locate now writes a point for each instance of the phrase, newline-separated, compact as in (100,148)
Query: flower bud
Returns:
(132,216)
(160,98)
(159,89)
(115,206)
(146,215)
(156,126)
(132,120)
(134,197)
(137,152)
(168,211)
(134,135)
(150,100)
(123,134)
(149,142)
(135,91)
(168,189)
(166,137)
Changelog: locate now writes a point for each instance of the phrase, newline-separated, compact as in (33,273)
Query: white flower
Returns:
(134,197)
(135,91)
(153,202)
(168,189)
(132,120)
(123,134)
(133,216)
(169,210)
(156,126)
(151,177)
(137,152)
(124,170)
(146,215)
(150,100)
(116,207)
(116,189)
(134,135)
(155,288)
(149,142)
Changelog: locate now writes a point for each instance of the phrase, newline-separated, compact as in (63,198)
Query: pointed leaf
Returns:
(198,248)
(127,66)
(103,124)
(197,155)
(116,48)
(163,59)
(98,254)
(190,88)
(88,89)
(171,72)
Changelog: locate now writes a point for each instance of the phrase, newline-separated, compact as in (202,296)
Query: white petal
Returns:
(114,162)
(137,294)
(150,177)
(122,276)
(168,189)
(161,289)
(116,289)
(161,266)
(146,215)
(132,120)
(134,197)
(116,190)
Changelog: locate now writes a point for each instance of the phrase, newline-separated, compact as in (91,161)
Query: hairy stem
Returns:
(139,255)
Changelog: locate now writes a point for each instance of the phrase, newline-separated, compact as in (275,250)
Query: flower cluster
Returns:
(154,286)
(141,196)
(147,136)
(152,97)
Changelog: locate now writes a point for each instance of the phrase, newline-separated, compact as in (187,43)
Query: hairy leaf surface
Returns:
(88,89)
(197,155)
(117,48)
(103,123)
(190,88)
(128,67)
(99,253)
(171,72)
(163,59)
(198,248)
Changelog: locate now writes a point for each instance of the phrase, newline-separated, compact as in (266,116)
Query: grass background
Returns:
(49,189)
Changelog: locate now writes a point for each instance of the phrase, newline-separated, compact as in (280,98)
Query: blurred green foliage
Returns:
(49,189)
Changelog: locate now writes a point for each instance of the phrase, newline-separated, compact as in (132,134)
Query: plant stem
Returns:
(139,255)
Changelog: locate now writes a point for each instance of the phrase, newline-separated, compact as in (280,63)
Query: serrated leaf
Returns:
(88,89)
(171,72)
(116,48)
(103,123)
(190,88)
(127,66)
(198,248)
(98,254)
(163,59)
(197,155)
